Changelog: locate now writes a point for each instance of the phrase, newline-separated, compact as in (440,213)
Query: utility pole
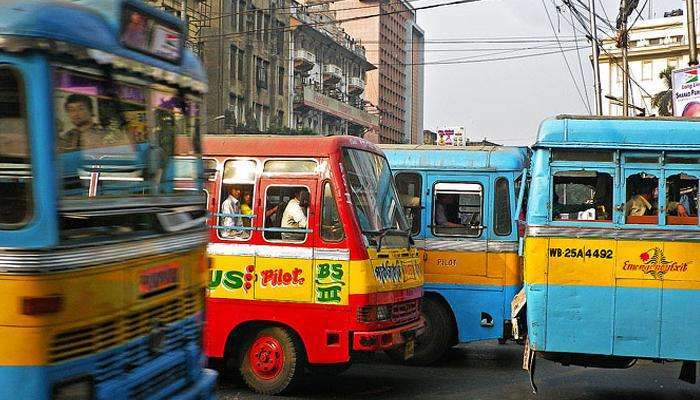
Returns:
(625,11)
(692,40)
(596,64)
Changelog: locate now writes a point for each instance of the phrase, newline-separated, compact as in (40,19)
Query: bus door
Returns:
(457,253)
(284,263)
(638,297)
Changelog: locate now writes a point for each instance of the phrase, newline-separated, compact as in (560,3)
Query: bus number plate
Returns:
(409,348)
(158,279)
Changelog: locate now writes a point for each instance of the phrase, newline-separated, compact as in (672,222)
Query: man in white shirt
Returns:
(232,206)
(294,215)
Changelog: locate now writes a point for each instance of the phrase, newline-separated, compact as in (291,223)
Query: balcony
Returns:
(332,74)
(356,85)
(304,60)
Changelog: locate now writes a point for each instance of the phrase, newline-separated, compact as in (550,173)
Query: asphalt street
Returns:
(487,371)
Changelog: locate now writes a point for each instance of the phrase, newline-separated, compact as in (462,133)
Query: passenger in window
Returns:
(294,215)
(446,211)
(232,209)
(640,203)
(246,205)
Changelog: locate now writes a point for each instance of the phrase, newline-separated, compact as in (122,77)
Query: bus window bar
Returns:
(234,215)
(252,228)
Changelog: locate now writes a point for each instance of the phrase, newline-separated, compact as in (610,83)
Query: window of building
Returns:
(331,225)
(642,199)
(233,69)
(582,196)
(502,223)
(682,199)
(240,65)
(261,68)
(234,15)
(280,81)
(458,209)
(286,213)
(408,185)
(236,200)
(15,162)
(242,16)
(647,70)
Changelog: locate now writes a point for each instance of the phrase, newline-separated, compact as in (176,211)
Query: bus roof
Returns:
(619,133)
(71,27)
(495,158)
(267,145)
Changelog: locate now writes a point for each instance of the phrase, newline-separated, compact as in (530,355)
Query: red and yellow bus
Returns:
(311,256)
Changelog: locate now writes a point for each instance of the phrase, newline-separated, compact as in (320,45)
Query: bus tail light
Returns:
(42,305)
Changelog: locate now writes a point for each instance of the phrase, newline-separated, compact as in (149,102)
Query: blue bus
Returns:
(463,204)
(103,259)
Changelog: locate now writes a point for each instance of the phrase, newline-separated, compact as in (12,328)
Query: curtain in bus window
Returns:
(15,164)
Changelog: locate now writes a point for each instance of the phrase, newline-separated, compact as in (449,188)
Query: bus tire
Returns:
(272,361)
(434,342)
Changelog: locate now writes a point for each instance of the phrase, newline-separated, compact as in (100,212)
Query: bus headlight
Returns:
(82,389)
(374,313)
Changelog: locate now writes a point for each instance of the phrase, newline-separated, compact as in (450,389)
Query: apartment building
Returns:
(394,43)
(654,45)
(328,75)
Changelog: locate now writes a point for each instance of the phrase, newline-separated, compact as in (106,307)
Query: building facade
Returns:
(197,12)
(393,42)
(654,45)
(328,68)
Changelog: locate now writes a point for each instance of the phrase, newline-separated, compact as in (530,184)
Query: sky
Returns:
(505,101)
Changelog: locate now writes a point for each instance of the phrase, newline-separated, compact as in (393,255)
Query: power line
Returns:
(490,59)
(566,61)
(580,64)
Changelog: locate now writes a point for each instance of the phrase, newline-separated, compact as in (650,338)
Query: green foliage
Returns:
(664,99)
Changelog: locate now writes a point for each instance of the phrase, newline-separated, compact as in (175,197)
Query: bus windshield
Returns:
(119,139)
(373,193)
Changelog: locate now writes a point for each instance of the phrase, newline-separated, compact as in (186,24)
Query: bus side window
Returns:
(682,200)
(502,223)
(237,200)
(582,196)
(286,213)
(642,199)
(408,185)
(458,209)
(331,226)
(15,165)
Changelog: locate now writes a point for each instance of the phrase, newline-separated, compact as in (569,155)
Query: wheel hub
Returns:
(266,357)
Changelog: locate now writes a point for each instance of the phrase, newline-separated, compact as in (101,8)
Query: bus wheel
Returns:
(272,362)
(434,342)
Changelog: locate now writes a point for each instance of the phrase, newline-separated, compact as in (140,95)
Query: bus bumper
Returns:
(387,339)
(202,389)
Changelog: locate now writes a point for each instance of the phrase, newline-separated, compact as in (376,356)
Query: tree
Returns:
(664,99)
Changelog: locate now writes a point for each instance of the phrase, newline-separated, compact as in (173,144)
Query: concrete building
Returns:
(394,44)
(328,75)
(654,45)
(246,55)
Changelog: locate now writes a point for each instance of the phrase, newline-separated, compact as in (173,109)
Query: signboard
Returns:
(453,136)
(146,34)
(686,92)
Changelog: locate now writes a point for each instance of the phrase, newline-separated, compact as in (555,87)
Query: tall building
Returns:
(654,45)
(329,69)
(246,53)
(393,42)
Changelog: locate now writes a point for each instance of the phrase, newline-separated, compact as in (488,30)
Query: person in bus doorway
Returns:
(232,208)
(445,210)
(294,215)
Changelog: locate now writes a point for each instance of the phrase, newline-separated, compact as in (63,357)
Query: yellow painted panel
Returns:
(636,259)
(232,277)
(682,263)
(284,279)
(23,346)
(581,261)
(399,270)
(536,260)
(513,269)
(331,282)
(456,263)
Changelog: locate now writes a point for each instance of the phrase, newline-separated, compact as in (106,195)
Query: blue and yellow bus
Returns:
(463,204)
(102,258)
(612,247)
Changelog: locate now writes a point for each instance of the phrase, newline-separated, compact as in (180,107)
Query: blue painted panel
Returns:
(468,302)
(536,315)
(680,324)
(579,317)
(24,383)
(637,321)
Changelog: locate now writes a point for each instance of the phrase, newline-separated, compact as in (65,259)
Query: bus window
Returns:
(682,200)
(458,209)
(237,194)
(331,226)
(408,184)
(15,166)
(582,196)
(502,223)
(290,166)
(642,196)
(288,223)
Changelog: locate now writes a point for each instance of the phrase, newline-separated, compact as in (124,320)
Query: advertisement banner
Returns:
(452,136)
(686,92)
